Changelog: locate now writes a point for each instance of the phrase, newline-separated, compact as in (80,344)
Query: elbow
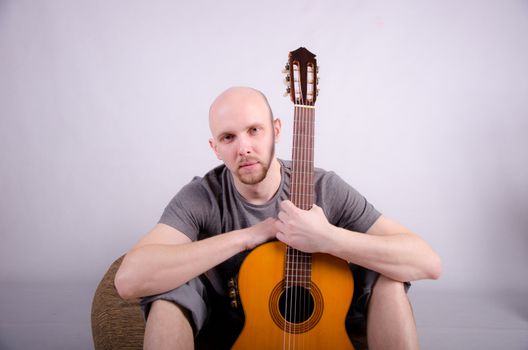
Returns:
(435,267)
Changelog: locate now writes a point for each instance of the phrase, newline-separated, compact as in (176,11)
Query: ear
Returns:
(212,143)
(277,129)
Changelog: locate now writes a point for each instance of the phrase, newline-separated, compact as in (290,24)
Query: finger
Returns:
(280,226)
(287,206)
(282,237)
(282,216)
(317,209)
(274,224)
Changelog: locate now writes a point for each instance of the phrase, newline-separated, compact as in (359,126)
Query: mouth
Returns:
(248,165)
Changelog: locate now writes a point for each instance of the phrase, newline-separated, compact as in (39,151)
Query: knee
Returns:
(168,311)
(168,326)
(388,287)
(389,299)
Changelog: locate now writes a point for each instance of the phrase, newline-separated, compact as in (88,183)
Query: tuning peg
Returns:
(287,78)
(286,69)
(287,92)
(317,92)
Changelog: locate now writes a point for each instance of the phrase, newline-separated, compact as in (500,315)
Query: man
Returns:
(242,204)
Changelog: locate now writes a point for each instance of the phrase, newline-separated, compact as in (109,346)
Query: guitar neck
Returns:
(299,264)
(302,178)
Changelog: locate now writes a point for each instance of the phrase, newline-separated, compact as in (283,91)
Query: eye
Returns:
(255,130)
(226,138)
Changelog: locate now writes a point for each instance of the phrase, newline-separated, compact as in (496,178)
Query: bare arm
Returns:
(388,247)
(166,258)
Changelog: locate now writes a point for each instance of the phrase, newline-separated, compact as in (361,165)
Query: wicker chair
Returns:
(116,323)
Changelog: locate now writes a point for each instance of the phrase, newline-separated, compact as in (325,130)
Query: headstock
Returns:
(301,77)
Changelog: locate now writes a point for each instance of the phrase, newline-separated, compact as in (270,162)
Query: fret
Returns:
(298,176)
(297,264)
(303,160)
(303,184)
(303,106)
(298,194)
(300,275)
(298,269)
(306,260)
(306,266)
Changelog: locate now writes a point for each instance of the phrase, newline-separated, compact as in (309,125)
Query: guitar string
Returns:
(305,204)
(291,337)
(300,300)
(295,252)
(306,201)
(309,190)
(309,202)
(300,167)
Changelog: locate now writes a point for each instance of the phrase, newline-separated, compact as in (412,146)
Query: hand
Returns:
(260,233)
(305,230)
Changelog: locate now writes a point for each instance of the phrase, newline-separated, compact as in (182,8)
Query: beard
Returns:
(256,177)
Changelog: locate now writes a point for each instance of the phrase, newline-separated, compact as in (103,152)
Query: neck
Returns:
(263,191)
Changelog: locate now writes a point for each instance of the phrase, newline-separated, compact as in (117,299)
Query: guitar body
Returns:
(262,293)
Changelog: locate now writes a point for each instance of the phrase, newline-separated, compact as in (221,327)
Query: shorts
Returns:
(216,324)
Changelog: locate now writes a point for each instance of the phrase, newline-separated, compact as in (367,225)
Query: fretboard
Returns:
(298,269)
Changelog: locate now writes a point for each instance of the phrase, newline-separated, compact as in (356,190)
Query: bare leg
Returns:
(390,321)
(167,328)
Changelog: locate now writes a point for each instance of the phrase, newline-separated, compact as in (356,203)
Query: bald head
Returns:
(235,99)
(244,136)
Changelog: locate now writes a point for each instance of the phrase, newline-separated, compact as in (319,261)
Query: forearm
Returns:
(402,257)
(157,268)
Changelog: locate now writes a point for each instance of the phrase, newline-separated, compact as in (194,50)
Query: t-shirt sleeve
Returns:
(344,206)
(188,210)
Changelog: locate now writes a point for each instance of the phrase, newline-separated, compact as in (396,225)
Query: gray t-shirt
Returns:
(211,205)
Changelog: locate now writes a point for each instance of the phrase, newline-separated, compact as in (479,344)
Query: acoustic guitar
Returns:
(292,299)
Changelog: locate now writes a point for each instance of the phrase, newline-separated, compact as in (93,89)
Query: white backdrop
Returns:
(103,117)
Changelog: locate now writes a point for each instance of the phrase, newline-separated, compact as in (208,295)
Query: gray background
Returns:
(103,117)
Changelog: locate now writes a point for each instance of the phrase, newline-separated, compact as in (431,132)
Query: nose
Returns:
(244,146)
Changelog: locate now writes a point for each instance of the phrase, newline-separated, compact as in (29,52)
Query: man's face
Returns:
(244,134)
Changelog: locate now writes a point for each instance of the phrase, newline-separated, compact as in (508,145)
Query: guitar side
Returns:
(262,275)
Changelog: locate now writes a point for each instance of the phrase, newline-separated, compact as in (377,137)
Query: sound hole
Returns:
(296,304)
